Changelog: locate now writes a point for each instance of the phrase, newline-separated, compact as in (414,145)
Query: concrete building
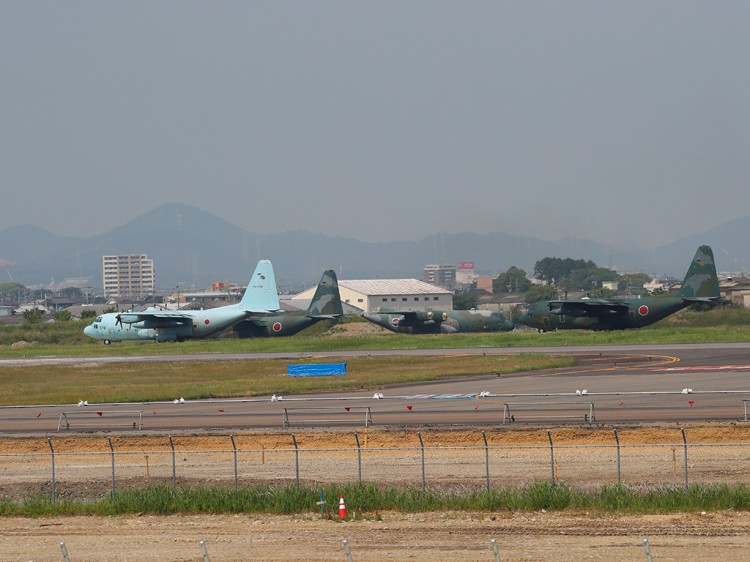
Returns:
(484,282)
(736,291)
(383,295)
(465,274)
(440,275)
(130,276)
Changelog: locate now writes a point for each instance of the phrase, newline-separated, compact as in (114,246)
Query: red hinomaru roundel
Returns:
(643,310)
(206,321)
(276,327)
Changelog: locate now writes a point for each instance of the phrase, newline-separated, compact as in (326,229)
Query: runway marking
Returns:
(707,368)
(648,361)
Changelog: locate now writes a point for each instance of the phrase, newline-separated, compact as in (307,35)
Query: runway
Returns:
(632,384)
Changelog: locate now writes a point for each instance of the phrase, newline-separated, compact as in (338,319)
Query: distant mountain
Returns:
(729,242)
(192,248)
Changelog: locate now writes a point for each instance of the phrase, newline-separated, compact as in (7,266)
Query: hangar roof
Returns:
(393,287)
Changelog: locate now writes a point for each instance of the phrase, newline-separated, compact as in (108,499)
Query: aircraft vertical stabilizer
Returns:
(327,302)
(261,294)
(701,281)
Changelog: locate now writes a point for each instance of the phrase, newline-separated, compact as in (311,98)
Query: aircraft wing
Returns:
(424,316)
(586,307)
(410,314)
(155,318)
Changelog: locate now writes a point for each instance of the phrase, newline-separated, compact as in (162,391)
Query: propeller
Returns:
(118,320)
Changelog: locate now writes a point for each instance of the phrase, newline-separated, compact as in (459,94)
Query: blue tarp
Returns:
(316,370)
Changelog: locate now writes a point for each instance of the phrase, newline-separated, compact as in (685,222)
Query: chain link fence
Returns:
(95,473)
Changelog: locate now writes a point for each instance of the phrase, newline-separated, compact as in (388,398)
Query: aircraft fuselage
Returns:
(274,325)
(633,312)
(201,324)
(437,322)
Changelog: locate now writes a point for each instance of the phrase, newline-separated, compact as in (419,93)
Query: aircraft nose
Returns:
(88,331)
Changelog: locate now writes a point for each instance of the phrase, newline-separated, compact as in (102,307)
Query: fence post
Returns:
(359,458)
(421,444)
(174,466)
(112,450)
(551,457)
(347,551)
(685,454)
(486,460)
(619,474)
(296,459)
(647,546)
(64,551)
(234,452)
(54,491)
(204,550)
(495,549)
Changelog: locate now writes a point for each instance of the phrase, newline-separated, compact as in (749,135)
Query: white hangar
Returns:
(382,295)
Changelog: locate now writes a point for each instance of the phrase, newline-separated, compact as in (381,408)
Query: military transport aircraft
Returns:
(326,304)
(436,322)
(701,284)
(260,297)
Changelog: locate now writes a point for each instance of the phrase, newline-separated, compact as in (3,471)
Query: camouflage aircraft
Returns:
(260,297)
(701,284)
(326,304)
(437,322)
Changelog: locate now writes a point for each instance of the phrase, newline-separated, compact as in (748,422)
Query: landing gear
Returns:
(107,342)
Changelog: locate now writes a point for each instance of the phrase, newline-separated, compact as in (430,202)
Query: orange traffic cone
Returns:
(342,508)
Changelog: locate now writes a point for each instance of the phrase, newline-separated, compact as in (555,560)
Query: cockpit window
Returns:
(98,319)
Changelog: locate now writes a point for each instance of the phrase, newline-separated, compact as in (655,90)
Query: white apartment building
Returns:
(129,276)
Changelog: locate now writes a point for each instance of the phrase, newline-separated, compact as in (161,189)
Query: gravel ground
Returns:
(419,537)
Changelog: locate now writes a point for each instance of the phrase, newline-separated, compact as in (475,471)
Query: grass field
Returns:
(163,500)
(144,382)
(66,339)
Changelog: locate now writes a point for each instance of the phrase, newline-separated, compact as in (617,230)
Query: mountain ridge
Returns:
(192,248)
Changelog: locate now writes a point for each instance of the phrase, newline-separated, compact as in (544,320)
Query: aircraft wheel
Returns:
(107,342)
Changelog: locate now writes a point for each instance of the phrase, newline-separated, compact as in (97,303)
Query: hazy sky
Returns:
(628,122)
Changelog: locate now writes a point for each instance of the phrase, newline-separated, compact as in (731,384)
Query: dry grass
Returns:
(140,382)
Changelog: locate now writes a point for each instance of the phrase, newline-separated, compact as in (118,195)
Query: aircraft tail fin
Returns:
(261,294)
(327,301)
(701,281)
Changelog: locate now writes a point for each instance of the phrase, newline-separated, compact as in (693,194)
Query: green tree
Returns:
(588,278)
(572,275)
(464,301)
(12,292)
(514,280)
(601,293)
(633,282)
(540,293)
(554,270)
(71,292)
(86,314)
(62,316)
(32,316)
